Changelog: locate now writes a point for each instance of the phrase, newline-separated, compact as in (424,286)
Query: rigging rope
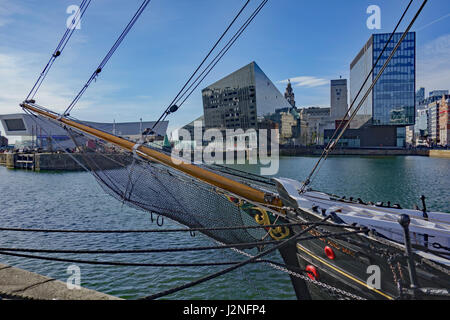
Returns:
(123,264)
(183,249)
(204,60)
(224,50)
(176,230)
(331,143)
(214,62)
(108,56)
(60,48)
(232,268)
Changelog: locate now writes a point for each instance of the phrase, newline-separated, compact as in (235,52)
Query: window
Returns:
(15,124)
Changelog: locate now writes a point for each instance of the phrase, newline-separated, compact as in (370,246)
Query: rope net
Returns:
(159,189)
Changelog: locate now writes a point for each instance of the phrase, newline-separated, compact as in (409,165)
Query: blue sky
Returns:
(313,41)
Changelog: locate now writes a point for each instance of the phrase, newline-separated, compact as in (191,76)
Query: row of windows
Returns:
(393,95)
(393,85)
(380,38)
(395,65)
(398,75)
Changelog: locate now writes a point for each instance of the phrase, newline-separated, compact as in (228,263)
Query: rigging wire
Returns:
(176,230)
(224,50)
(60,48)
(108,56)
(204,60)
(124,264)
(214,62)
(382,69)
(232,268)
(182,249)
(331,144)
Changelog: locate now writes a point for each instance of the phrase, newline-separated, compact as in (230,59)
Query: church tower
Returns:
(289,94)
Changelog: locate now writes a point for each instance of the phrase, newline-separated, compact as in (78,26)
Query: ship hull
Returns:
(359,265)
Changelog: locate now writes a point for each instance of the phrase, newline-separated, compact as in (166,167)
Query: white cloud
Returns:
(306,81)
(17,74)
(433,61)
(19,71)
(7,10)
(433,22)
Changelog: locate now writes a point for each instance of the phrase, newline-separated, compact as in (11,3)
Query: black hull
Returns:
(351,268)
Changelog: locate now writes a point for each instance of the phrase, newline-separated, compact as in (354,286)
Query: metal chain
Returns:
(321,284)
(295,274)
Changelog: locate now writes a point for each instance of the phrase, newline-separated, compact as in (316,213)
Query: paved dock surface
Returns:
(20,284)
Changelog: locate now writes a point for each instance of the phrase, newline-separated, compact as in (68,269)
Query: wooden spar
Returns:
(207,176)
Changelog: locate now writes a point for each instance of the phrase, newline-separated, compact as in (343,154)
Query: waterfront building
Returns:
(190,127)
(317,120)
(289,94)
(444,122)
(438,93)
(367,136)
(420,96)
(241,99)
(392,101)
(338,98)
(433,122)
(3,141)
(427,119)
(425,103)
(46,135)
(292,129)
(421,126)
(288,124)
(409,136)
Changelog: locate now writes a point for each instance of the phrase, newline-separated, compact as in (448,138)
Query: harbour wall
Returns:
(61,161)
(439,153)
(19,284)
(367,152)
(66,162)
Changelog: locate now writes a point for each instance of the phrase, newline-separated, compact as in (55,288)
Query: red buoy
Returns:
(312,272)
(330,253)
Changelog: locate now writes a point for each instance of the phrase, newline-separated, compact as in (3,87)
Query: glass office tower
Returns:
(393,98)
(392,101)
(394,94)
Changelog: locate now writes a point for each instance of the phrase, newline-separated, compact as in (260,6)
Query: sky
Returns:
(309,42)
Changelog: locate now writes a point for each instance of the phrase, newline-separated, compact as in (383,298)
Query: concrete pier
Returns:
(65,162)
(61,161)
(18,284)
(366,152)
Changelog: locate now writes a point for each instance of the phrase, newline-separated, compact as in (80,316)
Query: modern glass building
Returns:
(438,93)
(420,96)
(241,99)
(393,99)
